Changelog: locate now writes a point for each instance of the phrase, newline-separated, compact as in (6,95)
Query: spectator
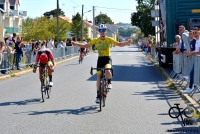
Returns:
(2,48)
(10,40)
(51,44)
(75,39)
(195,51)
(36,48)
(44,45)
(64,43)
(28,52)
(19,52)
(4,58)
(146,47)
(184,36)
(180,45)
(70,40)
(162,29)
(60,45)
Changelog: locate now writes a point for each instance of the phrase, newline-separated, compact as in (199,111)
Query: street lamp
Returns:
(82,27)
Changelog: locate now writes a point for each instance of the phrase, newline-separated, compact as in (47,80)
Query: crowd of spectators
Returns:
(147,44)
(188,43)
(14,45)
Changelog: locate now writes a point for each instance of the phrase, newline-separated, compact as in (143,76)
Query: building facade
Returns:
(11,17)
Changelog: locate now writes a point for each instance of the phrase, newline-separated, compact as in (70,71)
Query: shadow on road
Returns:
(133,73)
(25,102)
(81,111)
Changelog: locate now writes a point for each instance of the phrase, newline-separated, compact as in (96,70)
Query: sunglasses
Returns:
(102,30)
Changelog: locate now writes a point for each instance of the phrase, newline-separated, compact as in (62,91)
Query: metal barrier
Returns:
(197,70)
(182,65)
(8,62)
(4,62)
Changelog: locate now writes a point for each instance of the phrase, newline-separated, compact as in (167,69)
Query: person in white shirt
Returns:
(44,45)
(64,43)
(196,51)
(51,44)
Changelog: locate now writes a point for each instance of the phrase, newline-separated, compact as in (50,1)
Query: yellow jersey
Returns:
(103,46)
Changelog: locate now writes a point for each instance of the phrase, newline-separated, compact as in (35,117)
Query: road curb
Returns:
(30,70)
(170,83)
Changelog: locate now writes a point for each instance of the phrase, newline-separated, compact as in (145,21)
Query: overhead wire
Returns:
(116,8)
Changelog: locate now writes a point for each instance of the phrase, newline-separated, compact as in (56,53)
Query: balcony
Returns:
(11,30)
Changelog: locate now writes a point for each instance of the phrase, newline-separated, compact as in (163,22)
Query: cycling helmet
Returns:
(43,58)
(102,26)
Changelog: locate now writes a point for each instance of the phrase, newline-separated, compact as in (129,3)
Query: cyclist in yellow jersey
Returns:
(103,44)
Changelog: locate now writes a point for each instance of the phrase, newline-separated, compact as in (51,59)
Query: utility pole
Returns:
(57,22)
(101,17)
(94,30)
(82,24)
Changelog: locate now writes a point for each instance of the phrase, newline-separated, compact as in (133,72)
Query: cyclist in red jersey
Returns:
(45,57)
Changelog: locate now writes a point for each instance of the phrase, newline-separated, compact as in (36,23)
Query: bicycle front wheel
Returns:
(100,96)
(48,89)
(43,91)
(103,93)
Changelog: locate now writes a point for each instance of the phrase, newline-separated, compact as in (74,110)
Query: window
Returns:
(12,7)
(2,6)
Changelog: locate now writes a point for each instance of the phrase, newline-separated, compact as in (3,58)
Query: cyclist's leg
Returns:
(108,72)
(81,55)
(98,80)
(49,65)
(98,86)
(40,73)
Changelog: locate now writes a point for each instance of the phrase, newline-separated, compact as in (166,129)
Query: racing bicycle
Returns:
(45,88)
(103,88)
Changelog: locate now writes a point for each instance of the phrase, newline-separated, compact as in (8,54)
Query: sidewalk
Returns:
(29,69)
(177,88)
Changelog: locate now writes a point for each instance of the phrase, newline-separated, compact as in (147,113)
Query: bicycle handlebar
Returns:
(36,65)
(102,69)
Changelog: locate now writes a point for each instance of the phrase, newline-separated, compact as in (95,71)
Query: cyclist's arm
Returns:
(121,44)
(52,60)
(36,62)
(82,45)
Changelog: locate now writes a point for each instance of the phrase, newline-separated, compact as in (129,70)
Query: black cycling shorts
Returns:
(103,61)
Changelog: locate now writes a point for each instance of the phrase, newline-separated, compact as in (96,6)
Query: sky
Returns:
(117,10)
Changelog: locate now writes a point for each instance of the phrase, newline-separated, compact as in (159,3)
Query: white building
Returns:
(11,17)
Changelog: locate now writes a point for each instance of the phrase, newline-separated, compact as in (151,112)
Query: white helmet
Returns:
(102,26)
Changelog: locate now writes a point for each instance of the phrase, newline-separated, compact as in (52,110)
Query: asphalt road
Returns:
(137,104)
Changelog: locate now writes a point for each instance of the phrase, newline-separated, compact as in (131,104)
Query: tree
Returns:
(26,28)
(103,18)
(54,13)
(43,28)
(142,18)
(85,32)
(126,32)
(76,26)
